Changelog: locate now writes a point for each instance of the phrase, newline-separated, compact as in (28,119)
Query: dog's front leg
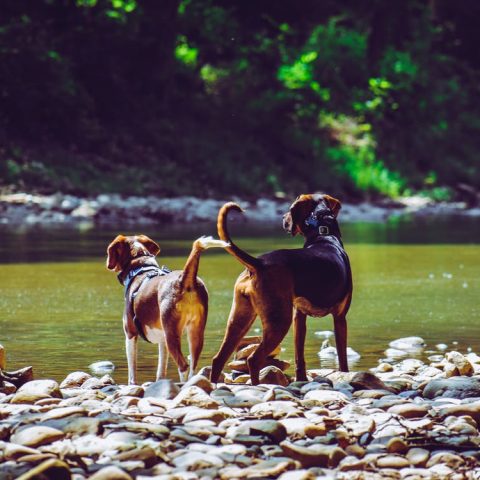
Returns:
(131,349)
(300,330)
(162,357)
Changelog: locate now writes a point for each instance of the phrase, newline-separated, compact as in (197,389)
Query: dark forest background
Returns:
(364,98)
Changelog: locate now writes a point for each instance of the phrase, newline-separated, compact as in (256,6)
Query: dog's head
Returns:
(124,249)
(306,206)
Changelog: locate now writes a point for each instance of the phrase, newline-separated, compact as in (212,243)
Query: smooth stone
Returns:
(279,393)
(75,379)
(62,412)
(386,402)
(145,454)
(314,455)
(316,398)
(455,387)
(194,396)
(244,399)
(216,416)
(315,430)
(129,391)
(102,367)
(462,363)
(355,450)
(197,460)
(97,383)
(162,389)
(52,468)
(302,474)
(352,463)
(447,458)
(392,461)
(35,390)
(408,343)
(199,381)
(313,386)
(110,473)
(397,445)
(276,409)
(409,410)
(264,469)
(77,425)
(36,436)
(371,394)
(296,426)
(369,381)
(148,405)
(418,457)
(273,375)
(12,451)
(270,428)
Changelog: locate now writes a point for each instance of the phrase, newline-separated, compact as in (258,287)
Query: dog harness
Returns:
(150,270)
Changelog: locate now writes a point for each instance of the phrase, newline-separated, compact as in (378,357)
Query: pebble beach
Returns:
(405,419)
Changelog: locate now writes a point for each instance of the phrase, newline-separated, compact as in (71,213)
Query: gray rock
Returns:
(102,367)
(369,381)
(163,389)
(269,428)
(36,436)
(273,375)
(35,390)
(454,387)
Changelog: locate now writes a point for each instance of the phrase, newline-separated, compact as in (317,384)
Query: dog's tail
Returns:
(243,257)
(190,269)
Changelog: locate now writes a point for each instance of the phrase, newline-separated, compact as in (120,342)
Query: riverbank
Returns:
(403,420)
(112,210)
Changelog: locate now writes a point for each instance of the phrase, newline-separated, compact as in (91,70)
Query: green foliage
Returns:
(218,97)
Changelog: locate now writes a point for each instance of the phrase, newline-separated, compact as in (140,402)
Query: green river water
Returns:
(60,309)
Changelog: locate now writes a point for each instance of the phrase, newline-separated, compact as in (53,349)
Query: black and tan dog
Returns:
(290,284)
(160,304)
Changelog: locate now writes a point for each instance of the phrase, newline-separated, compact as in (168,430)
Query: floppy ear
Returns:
(150,245)
(115,251)
(333,204)
(294,219)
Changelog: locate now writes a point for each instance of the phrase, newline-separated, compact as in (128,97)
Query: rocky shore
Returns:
(111,209)
(402,420)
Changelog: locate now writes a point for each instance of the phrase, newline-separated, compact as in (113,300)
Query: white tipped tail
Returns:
(191,266)
(209,242)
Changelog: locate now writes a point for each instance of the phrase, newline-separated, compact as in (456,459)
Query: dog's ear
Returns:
(333,204)
(150,245)
(294,219)
(116,251)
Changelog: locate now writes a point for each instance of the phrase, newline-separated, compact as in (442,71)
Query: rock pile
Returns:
(271,373)
(411,421)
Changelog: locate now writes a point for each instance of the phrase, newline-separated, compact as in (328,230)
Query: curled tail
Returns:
(243,257)
(190,269)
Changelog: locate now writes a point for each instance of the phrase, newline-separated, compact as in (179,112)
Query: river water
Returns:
(60,309)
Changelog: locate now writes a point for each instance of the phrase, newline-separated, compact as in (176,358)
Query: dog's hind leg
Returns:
(162,357)
(340,327)
(195,335)
(299,331)
(173,325)
(275,327)
(240,320)
(131,349)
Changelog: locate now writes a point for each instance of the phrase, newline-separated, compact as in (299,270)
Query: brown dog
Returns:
(290,284)
(160,304)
